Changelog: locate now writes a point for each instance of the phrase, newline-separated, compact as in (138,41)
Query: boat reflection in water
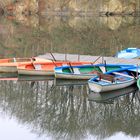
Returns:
(62,111)
(8,75)
(62,82)
(110,95)
(34,78)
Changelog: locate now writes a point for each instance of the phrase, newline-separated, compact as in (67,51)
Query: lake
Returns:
(48,109)
(52,109)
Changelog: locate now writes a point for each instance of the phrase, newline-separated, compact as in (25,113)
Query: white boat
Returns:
(112,81)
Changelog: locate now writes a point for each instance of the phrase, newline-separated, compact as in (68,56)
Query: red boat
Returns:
(45,68)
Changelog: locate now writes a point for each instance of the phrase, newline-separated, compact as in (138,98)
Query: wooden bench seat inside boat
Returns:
(107,77)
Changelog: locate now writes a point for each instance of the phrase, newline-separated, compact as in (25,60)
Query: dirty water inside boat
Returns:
(45,108)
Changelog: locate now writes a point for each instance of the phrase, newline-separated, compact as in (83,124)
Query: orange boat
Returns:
(44,68)
(9,65)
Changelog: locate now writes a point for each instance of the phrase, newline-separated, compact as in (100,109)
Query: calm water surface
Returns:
(47,110)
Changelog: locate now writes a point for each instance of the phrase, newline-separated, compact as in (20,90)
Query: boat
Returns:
(85,71)
(113,80)
(9,65)
(129,53)
(45,68)
(109,95)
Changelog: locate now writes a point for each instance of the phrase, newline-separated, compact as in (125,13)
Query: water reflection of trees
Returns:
(82,35)
(65,112)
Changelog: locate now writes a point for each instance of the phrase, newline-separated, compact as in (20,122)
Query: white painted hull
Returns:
(8,69)
(95,87)
(35,72)
(74,76)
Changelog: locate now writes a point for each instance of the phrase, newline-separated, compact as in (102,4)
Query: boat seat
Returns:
(37,66)
(65,65)
(95,72)
(76,71)
(107,77)
(103,69)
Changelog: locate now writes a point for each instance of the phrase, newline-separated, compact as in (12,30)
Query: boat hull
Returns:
(8,69)
(35,72)
(73,76)
(104,88)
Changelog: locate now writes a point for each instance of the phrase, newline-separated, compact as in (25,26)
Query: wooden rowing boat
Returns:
(112,81)
(9,65)
(44,68)
(85,71)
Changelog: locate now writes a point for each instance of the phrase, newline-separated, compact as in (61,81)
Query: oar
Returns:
(134,76)
(96,60)
(54,63)
(32,62)
(137,76)
(71,68)
(54,60)
(105,65)
(53,56)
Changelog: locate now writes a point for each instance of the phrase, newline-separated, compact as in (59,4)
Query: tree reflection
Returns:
(65,112)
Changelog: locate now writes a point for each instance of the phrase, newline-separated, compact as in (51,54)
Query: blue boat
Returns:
(113,80)
(129,53)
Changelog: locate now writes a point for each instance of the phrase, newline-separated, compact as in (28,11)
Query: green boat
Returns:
(86,72)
